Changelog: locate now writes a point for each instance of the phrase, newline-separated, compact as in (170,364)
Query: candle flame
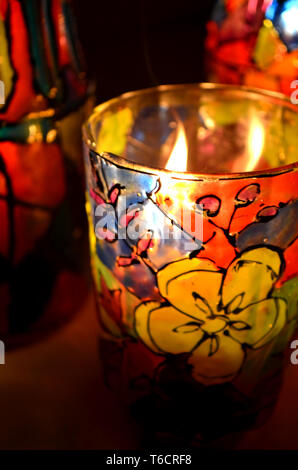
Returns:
(256,140)
(178,159)
(174,197)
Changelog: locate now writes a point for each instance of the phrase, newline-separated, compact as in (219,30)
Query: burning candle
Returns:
(192,205)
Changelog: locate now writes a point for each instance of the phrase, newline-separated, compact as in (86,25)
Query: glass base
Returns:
(175,410)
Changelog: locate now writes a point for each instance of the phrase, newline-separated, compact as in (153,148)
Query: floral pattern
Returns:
(213,305)
(217,318)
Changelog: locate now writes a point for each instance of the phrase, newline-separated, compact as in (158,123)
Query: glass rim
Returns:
(119,161)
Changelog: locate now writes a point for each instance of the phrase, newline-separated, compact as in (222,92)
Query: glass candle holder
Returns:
(192,204)
(45,100)
(254,43)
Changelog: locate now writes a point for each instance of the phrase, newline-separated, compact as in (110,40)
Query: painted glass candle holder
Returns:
(254,43)
(192,202)
(44,102)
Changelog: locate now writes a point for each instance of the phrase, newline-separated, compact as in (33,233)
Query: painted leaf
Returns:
(209,204)
(248,194)
(110,300)
(113,133)
(267,213)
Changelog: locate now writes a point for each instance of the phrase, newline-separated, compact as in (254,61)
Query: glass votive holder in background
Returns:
(43,232)
(192,203)
(254,43)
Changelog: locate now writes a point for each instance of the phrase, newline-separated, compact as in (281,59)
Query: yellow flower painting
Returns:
(215,315)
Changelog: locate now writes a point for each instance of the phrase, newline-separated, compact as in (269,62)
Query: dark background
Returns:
(137,44)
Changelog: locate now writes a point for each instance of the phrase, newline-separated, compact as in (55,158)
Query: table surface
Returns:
(52,397)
